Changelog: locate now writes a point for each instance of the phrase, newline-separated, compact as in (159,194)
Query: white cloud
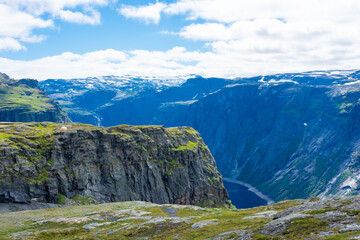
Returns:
(240,37)
(225,59)
(10,44)
(206,32)
(150,13)
(77,17)
(19,18)
(235,10)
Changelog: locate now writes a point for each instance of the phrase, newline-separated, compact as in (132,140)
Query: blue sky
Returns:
(114,32)
(223,38)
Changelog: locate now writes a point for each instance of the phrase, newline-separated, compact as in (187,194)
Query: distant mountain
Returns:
(84,98)
(289,135)
(23,101)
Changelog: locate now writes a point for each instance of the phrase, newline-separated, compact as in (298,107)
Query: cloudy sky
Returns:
(224,38)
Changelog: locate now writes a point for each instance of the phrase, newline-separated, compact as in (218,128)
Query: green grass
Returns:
(23,97)
(61,199)
(322,210)
(304,227)
(189,146)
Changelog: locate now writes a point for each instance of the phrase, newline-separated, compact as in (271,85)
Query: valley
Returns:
(274,132)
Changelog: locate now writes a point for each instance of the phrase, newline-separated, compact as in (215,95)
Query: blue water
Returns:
(241,197)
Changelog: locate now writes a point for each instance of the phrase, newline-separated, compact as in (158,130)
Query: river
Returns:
(243,195)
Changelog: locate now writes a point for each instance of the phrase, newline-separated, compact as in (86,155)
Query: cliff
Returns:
(48,162)
(23,101)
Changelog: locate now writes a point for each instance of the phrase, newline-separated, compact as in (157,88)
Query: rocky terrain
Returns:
(23,101)
(54,163)
(288,135)
(311,219)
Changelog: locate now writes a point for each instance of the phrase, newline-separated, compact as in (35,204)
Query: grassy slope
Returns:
(23,97)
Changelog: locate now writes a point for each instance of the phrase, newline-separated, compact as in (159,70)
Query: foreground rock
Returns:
(82,164)
(297,219)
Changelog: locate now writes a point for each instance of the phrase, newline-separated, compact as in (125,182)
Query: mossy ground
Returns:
(42,224)
(134,220)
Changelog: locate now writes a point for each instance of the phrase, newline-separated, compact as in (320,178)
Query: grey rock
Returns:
(237,234)
(204,223)
(350,228)
(21,235)
(95,225)
(162,220)
(278,226)
(267,214)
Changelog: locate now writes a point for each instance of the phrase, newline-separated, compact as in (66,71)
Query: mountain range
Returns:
(287,135)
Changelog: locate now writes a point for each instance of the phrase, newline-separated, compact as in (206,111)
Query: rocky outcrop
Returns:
(23,101)
(45,162)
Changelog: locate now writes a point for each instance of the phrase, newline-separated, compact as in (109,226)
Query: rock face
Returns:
(45,162)
(24,101)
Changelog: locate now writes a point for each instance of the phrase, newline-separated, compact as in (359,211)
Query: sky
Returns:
(45,39)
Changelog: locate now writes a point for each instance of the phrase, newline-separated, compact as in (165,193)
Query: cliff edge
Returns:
(47,162)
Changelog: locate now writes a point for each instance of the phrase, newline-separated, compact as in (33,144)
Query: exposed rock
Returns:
(204,223)
(95,225)
(123,163)
(267,214)
(163,220)
(21,235)
(350,228)
(278,226)
(236,234)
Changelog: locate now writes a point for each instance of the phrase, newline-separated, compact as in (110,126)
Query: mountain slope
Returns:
(23,101)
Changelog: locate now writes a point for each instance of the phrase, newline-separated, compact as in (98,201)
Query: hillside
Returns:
(297,219)
(23,101)
(51,163)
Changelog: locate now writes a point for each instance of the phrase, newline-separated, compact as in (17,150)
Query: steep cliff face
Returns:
(124,163)
(23,101)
